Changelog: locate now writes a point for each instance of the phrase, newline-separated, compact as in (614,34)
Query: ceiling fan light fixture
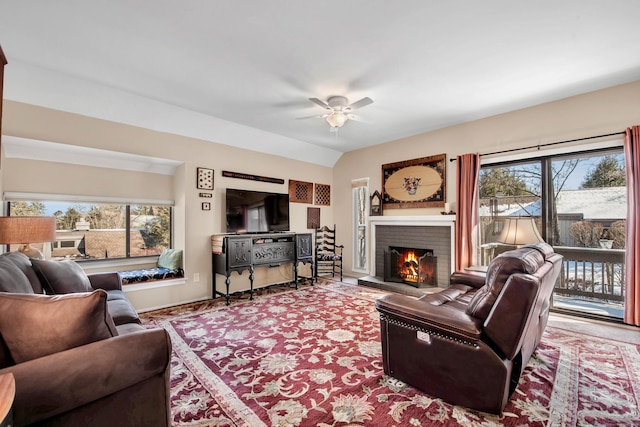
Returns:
(337,119)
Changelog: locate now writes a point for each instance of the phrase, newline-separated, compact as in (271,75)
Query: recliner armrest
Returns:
(474,279)
(435,317)
(507,321)
(60,382)
(110,281)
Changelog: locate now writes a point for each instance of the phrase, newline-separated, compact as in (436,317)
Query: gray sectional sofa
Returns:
(77,349)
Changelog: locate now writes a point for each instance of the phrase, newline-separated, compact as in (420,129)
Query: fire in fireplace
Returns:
(413,266)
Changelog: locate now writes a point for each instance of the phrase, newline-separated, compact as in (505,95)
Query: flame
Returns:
(408,266)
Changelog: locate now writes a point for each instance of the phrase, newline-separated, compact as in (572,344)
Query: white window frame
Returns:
(355,184)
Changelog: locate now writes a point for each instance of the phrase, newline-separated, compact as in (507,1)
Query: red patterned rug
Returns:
(312,357)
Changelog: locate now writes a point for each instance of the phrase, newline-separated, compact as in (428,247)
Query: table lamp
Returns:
(518,231)
(24,230)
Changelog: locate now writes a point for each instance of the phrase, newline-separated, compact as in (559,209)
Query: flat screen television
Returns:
(256,211)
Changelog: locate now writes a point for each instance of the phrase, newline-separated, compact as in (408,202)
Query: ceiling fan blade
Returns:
(319,102)
(324,116)
(361,103)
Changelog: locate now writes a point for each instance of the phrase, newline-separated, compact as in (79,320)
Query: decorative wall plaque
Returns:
(250,177)
(300,191)
(418,183)
(323,194)
(204,179)
(313,218)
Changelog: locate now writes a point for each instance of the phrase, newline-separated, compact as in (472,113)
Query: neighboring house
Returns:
(600,205)
(79,244)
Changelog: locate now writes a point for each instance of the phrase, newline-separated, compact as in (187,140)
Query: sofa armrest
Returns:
(108,281)
(430,315)
(475,279)
(60,382)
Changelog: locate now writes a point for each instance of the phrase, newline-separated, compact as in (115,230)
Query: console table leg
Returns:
(214,285)
(295,274)
(251,280)
(227,282)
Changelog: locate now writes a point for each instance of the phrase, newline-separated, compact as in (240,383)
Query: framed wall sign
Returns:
(206,206)
(417,183)
(204,179)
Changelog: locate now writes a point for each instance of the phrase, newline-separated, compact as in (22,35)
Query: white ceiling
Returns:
(240,72)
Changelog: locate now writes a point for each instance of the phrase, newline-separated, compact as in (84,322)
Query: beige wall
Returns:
(606,111)
(602,112)
(193,226)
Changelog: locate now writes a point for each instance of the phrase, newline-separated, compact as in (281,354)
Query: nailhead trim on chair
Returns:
(426,331)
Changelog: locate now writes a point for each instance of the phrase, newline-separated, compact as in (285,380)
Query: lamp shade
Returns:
(519,231)
(27,229)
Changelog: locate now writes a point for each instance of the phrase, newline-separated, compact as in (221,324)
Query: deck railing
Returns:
(592,273)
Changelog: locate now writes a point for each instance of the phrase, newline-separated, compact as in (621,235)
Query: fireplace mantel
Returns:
(412,221)
(433,220)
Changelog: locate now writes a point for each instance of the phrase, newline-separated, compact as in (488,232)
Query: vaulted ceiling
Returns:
(241,72)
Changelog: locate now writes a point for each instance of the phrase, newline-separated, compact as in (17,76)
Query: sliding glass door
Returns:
(577,203)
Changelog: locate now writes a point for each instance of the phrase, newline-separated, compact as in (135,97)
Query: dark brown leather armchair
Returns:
(469,343)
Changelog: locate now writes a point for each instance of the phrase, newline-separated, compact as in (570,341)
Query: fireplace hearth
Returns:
(413,266)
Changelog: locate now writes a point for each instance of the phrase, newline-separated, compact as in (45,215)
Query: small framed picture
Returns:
(204,179)
(206,206)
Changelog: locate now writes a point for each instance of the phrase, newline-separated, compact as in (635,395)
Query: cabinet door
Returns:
(304,245)
(239,251)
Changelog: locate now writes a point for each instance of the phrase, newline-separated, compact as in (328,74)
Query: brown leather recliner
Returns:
(469,343)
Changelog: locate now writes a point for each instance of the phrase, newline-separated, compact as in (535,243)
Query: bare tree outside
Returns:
(27,208)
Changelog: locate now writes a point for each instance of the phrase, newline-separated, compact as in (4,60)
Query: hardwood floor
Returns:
(626,333)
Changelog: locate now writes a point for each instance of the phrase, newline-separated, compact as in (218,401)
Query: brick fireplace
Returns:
(432,232)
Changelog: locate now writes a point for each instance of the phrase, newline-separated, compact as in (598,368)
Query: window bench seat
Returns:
(150,274)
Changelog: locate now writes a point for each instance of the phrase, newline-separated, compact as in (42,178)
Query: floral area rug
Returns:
(312,357)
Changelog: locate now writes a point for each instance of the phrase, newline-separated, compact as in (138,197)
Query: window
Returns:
(91,231)
(508,190)
(578,204)
(360,195)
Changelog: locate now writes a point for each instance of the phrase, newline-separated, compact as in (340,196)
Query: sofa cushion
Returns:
(525,260)
(61,277)
(129,328)
(12,279)
(38,325)
(122,312)
(171,259)
(149,274)
(23,262)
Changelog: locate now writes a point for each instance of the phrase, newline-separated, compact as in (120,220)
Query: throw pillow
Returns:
(38,325)
(23,262)
(62,277)
(171,259)
(12,279)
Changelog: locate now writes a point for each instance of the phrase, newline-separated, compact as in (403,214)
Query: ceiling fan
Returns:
(338,110)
